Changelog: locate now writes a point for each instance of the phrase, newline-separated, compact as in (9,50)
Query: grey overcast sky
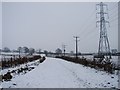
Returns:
(48,25)
(0,25)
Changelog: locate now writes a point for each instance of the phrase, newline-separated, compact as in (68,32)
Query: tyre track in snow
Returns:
(79,80)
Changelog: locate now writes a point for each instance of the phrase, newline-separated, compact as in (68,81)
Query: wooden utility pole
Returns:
(76,38)
(64,48)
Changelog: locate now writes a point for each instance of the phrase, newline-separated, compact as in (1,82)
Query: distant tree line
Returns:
(30,51)
(20,50)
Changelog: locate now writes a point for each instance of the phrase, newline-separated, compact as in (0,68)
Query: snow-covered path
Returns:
(57,73)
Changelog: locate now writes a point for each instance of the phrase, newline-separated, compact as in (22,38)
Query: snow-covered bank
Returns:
(57,73)
(114,59)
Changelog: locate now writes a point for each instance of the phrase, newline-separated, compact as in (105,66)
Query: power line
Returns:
(114,14)
(92,31)
(113,8)
(116,18)
(89,25)
(89,31)
(88,18)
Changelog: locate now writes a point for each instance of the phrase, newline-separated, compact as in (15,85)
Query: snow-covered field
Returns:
(57,73)
(114,58)
(7,55)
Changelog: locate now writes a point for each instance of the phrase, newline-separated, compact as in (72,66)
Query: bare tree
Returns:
(31,51)
(6,49)
(58,51)
(26,49)
(19,50)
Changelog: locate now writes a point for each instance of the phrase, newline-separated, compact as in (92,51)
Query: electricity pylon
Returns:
(104,46)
